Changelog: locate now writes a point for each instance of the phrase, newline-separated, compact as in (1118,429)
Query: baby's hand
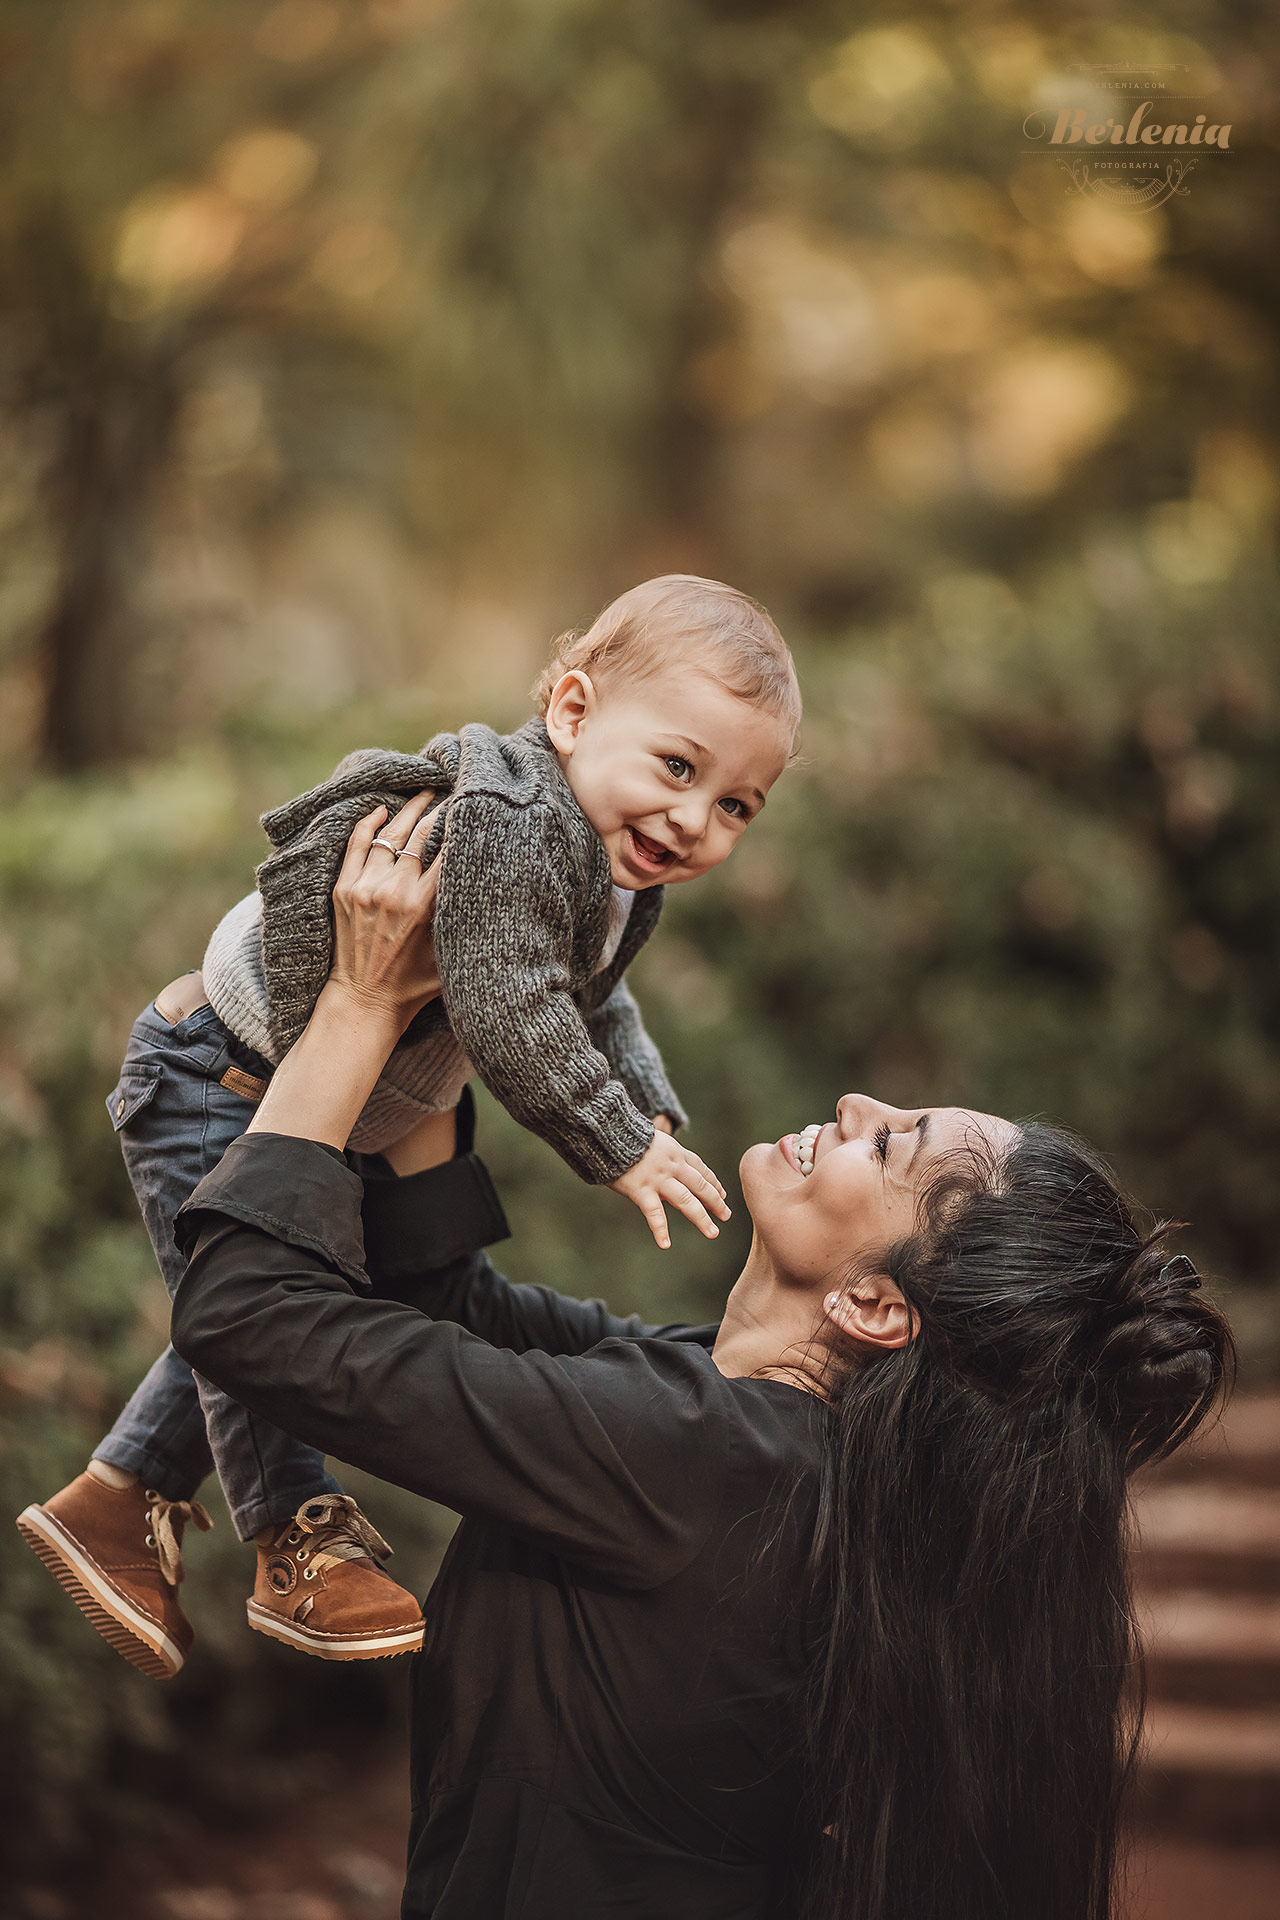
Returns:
(670,1172)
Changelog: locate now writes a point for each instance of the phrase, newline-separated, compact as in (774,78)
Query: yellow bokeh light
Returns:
(811,317)
(944,313)
(881,85)
(266,167)
(1009,58)
(174,237)
(1112,244)
(1046,403)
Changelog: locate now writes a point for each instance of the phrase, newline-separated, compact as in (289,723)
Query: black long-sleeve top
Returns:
(606,1709)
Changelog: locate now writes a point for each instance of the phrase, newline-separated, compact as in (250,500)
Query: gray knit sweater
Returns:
(532,999)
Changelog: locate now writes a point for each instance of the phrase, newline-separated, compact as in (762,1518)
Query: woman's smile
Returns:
(800,1150)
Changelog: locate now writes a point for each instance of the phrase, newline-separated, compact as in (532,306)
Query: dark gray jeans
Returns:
(175,1120)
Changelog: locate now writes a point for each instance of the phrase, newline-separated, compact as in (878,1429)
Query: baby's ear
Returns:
(572,700)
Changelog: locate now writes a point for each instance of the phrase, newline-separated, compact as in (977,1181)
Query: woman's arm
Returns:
(523,1319)
(610,1458)
(384,970)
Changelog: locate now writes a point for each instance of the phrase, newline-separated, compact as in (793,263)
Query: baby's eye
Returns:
(736,809)
(676,767)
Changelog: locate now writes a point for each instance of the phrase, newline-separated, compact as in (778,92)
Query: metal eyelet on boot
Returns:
(302,1553)
(310,1573)
(150,1540)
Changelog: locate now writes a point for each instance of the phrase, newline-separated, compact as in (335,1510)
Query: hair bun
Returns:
(1158,1364)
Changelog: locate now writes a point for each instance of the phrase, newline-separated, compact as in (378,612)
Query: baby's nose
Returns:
(688,819)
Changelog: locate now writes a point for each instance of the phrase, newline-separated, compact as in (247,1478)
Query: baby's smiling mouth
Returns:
(649,853)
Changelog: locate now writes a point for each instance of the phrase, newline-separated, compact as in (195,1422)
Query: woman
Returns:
(822,1610)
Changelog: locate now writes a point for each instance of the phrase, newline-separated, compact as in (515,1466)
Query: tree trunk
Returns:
(112,392)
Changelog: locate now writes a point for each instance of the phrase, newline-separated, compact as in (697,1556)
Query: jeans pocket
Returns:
(135,1088)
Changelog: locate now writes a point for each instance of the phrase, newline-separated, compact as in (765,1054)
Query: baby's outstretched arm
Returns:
(505,933)
(667,1171)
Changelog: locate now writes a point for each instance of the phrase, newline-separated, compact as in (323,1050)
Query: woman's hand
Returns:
(384,958)
(384,969)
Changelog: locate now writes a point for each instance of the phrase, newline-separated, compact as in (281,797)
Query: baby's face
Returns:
(669,770)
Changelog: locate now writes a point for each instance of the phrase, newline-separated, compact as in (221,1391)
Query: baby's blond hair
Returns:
(705,621)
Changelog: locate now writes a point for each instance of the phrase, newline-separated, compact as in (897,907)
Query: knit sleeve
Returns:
(618,1029)
(504,932)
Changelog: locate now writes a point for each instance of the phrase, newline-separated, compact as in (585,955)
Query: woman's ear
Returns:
(874,1314)
(573,698)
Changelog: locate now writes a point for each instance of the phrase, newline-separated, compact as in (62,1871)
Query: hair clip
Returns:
(1179,1269)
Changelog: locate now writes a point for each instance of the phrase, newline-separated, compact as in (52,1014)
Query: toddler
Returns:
(660,732)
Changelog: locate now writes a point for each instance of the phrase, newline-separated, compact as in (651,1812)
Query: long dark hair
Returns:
(973,1709)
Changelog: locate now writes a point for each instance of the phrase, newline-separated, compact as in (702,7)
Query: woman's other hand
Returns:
(384,958)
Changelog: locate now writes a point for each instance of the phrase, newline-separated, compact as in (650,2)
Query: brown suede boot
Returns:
(118,1552)
(321,1587)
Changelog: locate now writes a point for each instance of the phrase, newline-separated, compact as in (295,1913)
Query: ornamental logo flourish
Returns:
(1161,132)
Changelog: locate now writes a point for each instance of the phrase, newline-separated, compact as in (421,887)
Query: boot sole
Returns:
(139,1640)
(329,1646)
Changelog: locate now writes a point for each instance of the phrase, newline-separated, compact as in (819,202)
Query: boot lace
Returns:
(168,1520)
(336,1528)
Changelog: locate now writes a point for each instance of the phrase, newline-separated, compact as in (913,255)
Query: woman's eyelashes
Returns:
(881,1138)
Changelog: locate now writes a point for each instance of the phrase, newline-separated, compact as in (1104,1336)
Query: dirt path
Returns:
(1189,1880)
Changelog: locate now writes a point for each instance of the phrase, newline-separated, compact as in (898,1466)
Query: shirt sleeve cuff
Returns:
(428,1220)
(300,1191)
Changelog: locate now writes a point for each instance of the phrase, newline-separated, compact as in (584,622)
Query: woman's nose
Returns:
(858,1113)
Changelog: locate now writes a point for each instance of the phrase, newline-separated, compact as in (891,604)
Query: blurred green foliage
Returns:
(348,352)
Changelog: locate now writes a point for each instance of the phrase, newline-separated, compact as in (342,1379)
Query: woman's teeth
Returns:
(805,1144)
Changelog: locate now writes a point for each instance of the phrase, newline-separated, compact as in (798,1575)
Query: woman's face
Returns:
(820,1198)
